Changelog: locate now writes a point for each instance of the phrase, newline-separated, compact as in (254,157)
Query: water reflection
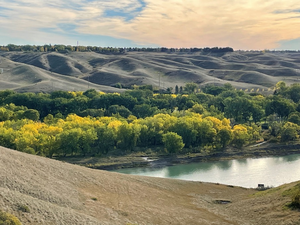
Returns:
(242,161)
(224,165)
(291,158)
(176,171)
(272,171)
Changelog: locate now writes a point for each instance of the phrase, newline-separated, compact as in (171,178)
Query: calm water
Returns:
(271,171)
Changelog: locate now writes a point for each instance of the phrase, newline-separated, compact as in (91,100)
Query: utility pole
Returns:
(1,69)
(159,74)
(159,80)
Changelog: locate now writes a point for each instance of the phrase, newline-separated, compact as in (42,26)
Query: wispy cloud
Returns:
(288,11)
(242,24)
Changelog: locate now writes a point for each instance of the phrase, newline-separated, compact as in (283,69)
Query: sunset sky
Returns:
(241,24)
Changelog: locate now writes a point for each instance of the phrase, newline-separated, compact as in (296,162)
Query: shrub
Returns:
(24,208)
(8,219)
(294,193)
(296,200)
(29,150)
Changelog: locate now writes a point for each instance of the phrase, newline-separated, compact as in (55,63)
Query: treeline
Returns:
(65,48)
(95,123)
(83,136)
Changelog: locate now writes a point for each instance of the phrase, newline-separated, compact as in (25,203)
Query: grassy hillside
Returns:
(43,191)
(34,71)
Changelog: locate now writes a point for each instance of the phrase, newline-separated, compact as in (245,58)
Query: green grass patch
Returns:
(294,193)
(268,191)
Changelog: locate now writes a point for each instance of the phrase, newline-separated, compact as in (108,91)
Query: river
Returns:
(270,171)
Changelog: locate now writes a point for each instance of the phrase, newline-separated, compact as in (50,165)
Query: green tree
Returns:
(106,139)
(205,132)
(281,87)
(213,89)
(257,112)
(224,136)
(228,86)
(86,140)
(5,114)
(289,132)
(49,119)
(282,107)
(294,118)
(184,128)
(293,92)
(91,93)
(190,87)
(31,114)
(238,109)
(7,137)
(197,108)
(172,142)
(69,140)
(127,136)
(176,89)
(121,110)
(92,112)
(180,90)
(144,110)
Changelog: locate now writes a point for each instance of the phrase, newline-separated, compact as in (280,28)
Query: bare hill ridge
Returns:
(60,193)
(37,71)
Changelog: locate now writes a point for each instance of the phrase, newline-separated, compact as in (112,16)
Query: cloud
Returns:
(177,23)
(243,24)
(288,11)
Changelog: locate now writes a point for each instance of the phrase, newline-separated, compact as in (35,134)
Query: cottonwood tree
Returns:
(173,142)
(190,87)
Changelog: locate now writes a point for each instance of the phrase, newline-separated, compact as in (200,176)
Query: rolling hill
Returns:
(54,192)
(79,71)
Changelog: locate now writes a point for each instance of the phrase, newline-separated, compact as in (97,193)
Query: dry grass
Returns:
(72,71)
(61,193)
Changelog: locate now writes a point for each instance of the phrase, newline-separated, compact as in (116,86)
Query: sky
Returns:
(240,24)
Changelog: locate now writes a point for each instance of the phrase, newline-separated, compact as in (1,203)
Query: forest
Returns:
(104,50)
(93,123)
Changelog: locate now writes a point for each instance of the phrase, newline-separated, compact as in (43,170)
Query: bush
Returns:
(24,208)
(294,193)
(29,150)
(296,200)
(8,219)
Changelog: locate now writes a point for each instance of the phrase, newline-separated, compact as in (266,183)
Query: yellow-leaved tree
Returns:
(240,136)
